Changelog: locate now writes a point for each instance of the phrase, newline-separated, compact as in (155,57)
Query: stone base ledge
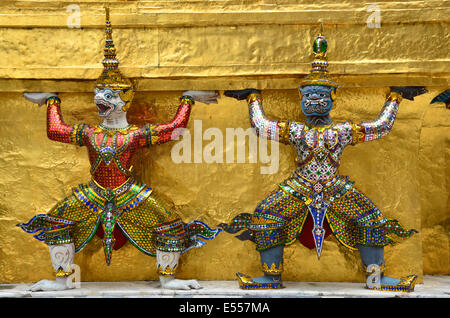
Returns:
(433,287)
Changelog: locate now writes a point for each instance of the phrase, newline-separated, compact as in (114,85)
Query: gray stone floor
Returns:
(433,287)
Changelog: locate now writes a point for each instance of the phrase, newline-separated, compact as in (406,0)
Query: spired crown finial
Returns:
(319,65)
(111,76)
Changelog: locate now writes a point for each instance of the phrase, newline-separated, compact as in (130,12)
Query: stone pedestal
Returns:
(433,287)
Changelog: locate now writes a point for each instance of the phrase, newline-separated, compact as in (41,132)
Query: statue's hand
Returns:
(409,92)
(241,94)
(207,97)
(47,285)
(38,98)
(172,283)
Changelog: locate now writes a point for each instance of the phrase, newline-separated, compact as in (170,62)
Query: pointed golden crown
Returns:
(319,71)
(111,76)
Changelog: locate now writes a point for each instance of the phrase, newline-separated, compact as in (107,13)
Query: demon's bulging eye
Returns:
(108,96)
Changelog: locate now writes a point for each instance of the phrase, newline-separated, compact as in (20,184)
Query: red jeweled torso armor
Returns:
(111,151)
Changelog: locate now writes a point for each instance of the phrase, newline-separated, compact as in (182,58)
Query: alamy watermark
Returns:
(374,278)
(236,146)
(374,19)
(74,18)
(74,280)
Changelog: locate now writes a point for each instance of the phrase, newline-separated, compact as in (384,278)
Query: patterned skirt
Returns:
(135,212)
(283,217)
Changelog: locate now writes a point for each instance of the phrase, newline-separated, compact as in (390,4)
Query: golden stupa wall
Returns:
(171,46)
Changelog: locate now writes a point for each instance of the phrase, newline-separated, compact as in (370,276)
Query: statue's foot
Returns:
(49,285)
(262,282)
(405,284)
(181,284)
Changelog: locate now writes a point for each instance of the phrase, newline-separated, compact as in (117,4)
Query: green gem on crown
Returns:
(320,45)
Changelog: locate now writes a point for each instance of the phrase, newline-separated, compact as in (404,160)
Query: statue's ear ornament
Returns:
(127,96)
(334,93)
(300,95)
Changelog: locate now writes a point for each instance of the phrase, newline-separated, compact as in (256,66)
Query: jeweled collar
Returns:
(112,131)
(318,127)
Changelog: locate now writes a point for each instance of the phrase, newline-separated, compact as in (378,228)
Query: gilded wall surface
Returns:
(171,46)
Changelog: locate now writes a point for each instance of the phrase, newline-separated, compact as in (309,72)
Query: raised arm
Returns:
(151,134)
(57,129)
(380,127)
(267,128)
(165,132)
